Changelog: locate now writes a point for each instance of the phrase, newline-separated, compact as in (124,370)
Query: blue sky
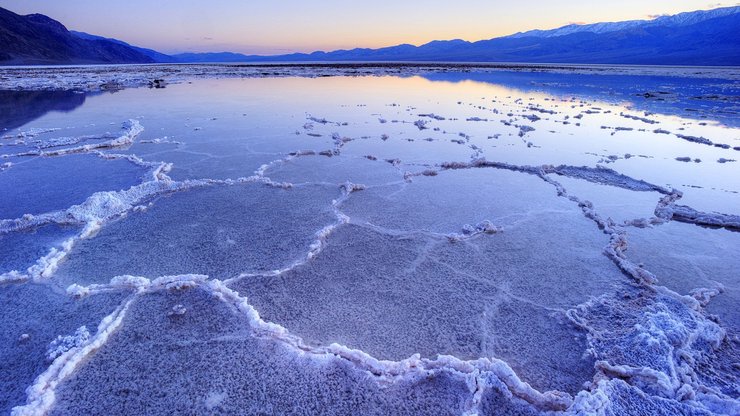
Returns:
(283,26)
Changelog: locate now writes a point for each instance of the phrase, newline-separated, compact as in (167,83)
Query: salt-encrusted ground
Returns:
(423,241)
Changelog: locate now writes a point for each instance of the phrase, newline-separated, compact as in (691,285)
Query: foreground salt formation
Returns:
(487,251)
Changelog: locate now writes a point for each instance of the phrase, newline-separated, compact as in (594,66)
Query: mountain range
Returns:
(154,55)
(705,37)
(38,39)
(677,20)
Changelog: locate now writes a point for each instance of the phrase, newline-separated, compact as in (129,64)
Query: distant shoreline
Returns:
(379,64)
(91,78)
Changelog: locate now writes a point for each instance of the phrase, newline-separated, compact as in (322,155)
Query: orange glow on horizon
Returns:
(298,26)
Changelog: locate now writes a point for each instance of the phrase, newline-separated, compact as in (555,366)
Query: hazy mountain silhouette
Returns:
(38,39)
(156,56)
(694,38)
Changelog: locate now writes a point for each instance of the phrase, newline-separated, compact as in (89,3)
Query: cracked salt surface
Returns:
(211,351)
(619,204)
(31,316)
(411,295)
(221,231)
(238,247)
(197,165)
(336,170)
(446,202)
(22,249)
(701,262)
(44,184)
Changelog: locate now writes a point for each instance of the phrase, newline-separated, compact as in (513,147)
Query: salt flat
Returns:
(371,239)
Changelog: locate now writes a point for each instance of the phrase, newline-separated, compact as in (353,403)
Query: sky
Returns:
(284,26)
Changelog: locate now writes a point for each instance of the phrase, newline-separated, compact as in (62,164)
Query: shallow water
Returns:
(452,243)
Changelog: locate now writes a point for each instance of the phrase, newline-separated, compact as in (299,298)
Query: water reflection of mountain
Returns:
(21,107)
(714,99)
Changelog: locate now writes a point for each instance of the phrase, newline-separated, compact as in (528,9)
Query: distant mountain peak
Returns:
(39,39)
(156,56)
(47,22)
(677,20)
